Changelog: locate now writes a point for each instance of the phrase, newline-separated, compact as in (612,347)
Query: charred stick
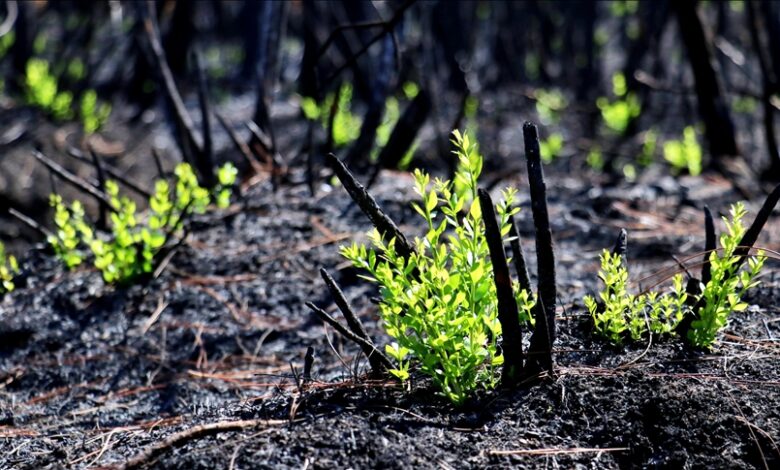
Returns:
(709,245)
(76,154)
(752,233)
(518,256)
(386,227)
(74,180)
(341,301)
(101,176)
(540,349)
(158,163)
(241,146)
(379,362)
(190,146)
(308,362)
(544,243)
(30,223)
(389,25)
(205,160)
(512,334)
(621,245)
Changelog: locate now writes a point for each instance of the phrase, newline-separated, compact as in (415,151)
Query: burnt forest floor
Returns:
(92,375)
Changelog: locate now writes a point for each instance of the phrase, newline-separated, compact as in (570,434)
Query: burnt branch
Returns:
(375,356)
(518,256)
(545,254)
(512,333)
(709,245)
(74,180)
(386,227)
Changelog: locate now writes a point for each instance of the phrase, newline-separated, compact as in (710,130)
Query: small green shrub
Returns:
(723,293)
(549,105)
(8,269)
(42,91)
(685,154)
(551,147)
(346,125)
(440,306)
(622,315)
(129,251)
(618,113)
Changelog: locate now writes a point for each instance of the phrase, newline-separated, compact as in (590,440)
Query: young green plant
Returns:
(131,248)
(440,305)
(9,267)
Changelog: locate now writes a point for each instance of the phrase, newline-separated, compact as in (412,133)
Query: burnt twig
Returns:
(386,227)
(74,180)
(375,355)
(518,256)
(512,333)
(544,244)
(709,245)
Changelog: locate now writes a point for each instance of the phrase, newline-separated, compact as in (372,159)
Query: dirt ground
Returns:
(91,376)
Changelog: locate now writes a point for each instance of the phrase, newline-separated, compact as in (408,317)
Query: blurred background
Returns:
(623,91)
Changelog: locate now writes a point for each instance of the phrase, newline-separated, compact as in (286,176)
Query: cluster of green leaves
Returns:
(618,113)
(42,90)
(440,305)
(622,315)
(346,125)
(8,269)
(549,105)
(551,147)
(129,251)
(685,154)
(723,294)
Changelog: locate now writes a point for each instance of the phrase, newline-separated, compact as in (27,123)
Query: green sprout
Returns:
(723,293)
(41,90)
(8,269)
(549,105)
(551,147)
(684,155)
(618,113)
(440,305)
(346,125)
(93,114)
(621,315)
(130,249)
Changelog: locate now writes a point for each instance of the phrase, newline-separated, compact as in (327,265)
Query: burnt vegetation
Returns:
(382,234)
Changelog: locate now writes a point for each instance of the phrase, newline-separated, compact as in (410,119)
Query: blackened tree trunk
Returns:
(711,103)
(768,82)
(179,38)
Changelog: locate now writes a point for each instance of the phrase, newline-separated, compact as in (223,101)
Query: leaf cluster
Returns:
(130,249)
(8,269)
(621,315)
(440,305)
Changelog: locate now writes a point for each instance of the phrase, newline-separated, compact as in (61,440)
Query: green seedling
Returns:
(723,293)
(622,315)
(131,248)
(618,113)
(685,154)
(549,105)
(551,147)
(42,91)
(9,267)
(440,305)
(346,125)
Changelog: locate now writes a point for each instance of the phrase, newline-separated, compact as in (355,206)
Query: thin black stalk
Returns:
(709,245)
(511,331)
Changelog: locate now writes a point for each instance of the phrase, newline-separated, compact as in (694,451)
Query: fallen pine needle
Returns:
(554,451)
